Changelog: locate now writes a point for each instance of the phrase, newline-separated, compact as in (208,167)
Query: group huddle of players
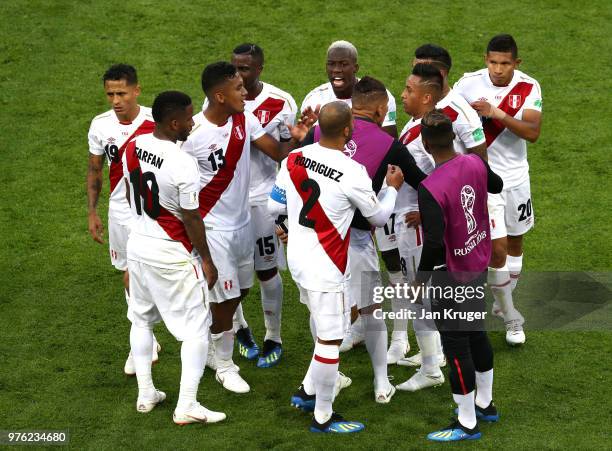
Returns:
(198,205)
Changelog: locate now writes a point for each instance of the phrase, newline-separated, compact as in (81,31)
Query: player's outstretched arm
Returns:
(527,128)
(197,235)
(381,215)
(94,186)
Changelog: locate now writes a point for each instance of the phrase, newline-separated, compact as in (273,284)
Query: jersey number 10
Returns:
(146,193)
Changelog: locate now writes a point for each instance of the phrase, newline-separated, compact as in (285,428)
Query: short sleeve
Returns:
(254,128)
(391,112)
(468,128)
(358,188)
(95,144)
(534,99)
(187,179)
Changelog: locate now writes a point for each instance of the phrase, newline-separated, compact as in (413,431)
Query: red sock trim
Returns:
(465,392)
(503,284)
(318,358)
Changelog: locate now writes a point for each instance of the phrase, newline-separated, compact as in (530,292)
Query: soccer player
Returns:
(469,138)
(319,188)
(221,143)
(423,90)
(510,103)
(453,206)
(375,149)
(274,109)
(342,68)
(168,258)
(108,135)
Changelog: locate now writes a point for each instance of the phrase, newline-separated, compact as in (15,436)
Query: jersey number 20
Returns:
(146,193)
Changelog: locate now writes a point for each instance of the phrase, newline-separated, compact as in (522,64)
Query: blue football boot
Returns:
(270,355)
(455,432)
(336,424)
(246,344)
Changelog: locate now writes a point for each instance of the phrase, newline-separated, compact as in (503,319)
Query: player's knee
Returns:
(515,245)
(499,252)
(392,260)
(266,274)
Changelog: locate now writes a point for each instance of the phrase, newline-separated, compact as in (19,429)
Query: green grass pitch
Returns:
(63,331)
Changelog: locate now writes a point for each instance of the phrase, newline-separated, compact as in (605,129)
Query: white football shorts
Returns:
(410,245)
(330,312)
(386,237)
(511,211)
(176,296)
(264,238)
(365,274)
(232,253)
(118,234)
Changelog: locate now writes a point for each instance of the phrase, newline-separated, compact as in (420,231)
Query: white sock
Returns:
(428,345)
(467,412)
(484,388)
(313,329)
(515,265)
(499,281)
(439,349)
(324,373)
(141,341)
(357,328)
(193,359)
(376,344)
(224,348)
(272,304)
(400,326)
(238,320)
(308,383)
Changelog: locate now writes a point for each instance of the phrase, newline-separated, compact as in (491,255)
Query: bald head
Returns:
(334,118)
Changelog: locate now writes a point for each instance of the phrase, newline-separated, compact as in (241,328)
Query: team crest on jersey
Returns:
(514,101)
(263,116)
(228,285)
(350,148)
(239,132)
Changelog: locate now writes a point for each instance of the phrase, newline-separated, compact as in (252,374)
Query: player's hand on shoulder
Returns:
(96,229)
(210,272)
(412,218)
(395,176)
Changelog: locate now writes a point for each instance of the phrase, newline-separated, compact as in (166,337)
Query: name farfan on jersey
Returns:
(319,168)
(149,157)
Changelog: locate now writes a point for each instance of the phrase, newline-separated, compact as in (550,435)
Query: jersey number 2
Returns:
(145,187)
(315,192)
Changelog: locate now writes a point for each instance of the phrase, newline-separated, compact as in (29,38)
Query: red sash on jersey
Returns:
(115,172)
(450,113)
(492,128)
(268,110)
(211,193)
(333,244)
(172,225)
(412,134)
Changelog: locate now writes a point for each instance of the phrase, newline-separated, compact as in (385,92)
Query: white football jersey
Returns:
(223,155)
(322,188)
(407,198)
(466,122)
(507,152)
(108,136)
(324,94)
(275,109)
(162,179)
